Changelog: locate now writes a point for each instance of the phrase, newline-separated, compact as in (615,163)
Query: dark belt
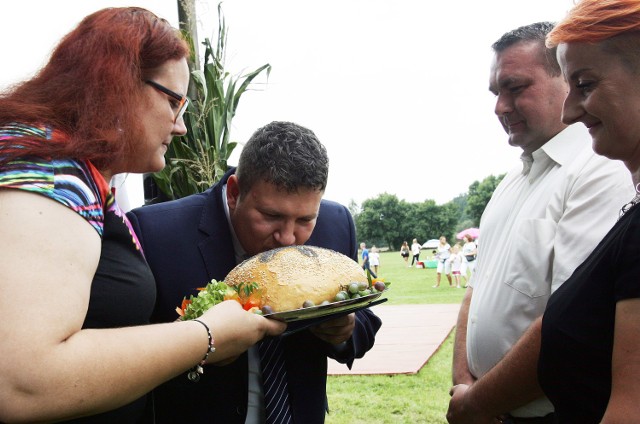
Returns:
(547,419)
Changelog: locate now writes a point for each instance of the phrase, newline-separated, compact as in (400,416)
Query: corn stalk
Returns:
(199,159)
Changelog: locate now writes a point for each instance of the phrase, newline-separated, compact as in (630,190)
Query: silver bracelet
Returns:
(195,373)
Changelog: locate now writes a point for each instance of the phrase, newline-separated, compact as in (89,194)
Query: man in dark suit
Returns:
(273,199)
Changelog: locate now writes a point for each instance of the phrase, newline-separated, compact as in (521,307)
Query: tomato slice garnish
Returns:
(251,303)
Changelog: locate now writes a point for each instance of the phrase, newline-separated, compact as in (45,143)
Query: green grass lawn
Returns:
(414,285)
(417,398)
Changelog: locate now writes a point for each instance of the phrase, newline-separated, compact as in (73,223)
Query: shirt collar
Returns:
(561,149)
(239,252)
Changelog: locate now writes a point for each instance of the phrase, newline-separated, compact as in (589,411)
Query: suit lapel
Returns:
(216,248)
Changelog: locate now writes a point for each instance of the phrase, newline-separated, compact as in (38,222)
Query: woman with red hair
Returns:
(77,292)
(589,363)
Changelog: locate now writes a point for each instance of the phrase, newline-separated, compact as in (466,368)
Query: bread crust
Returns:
(289,276)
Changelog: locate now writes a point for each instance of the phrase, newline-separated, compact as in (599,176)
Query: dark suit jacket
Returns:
(187,242)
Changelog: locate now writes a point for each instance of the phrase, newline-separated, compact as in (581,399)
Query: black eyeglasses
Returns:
(183,101)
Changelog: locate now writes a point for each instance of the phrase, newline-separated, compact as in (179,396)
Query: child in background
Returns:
(415,250)
(456,263)
(374,259)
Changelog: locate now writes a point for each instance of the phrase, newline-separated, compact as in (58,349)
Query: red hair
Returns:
(91,86)
(592,21)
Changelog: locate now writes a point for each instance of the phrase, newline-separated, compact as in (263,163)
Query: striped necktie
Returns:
(274,377)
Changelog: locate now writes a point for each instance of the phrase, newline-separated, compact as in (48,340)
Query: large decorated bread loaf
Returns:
(288,277)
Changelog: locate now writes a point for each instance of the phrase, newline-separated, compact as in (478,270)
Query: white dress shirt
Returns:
(255,400)
(542,221)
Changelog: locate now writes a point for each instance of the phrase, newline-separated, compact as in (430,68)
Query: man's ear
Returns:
(233,191)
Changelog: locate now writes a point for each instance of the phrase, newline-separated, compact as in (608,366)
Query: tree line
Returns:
(388,221)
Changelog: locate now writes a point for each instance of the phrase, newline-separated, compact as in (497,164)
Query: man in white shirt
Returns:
(542,221)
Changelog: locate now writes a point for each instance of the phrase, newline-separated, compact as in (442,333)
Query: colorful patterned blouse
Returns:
(77,185)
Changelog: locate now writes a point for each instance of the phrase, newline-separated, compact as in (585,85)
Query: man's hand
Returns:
(335,331)
(461,410)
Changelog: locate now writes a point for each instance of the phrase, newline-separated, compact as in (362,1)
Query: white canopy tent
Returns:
(431,244)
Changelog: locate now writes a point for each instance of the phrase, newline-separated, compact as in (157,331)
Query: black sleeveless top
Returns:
(574,368)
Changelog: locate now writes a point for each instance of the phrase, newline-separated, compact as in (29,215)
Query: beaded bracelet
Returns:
(195,373)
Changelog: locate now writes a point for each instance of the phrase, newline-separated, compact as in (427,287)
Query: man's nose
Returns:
(503,105)
(285,235)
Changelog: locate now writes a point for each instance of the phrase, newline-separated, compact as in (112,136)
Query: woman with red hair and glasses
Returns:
(589,363)
(76,290)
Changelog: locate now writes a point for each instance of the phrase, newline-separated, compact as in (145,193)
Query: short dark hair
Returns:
(532,33)
(286,155)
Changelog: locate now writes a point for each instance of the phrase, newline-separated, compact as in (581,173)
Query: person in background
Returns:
(272,199)
(77,293)
(404,252)
(415,251)
(542,221)
(469,252)
(374,259)
(589,363)
(443,251)
(366,262)
(455,261)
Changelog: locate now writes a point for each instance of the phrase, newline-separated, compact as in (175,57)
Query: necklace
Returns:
(627,207)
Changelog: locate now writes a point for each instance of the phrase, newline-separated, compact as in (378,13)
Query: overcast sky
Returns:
(397,91)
